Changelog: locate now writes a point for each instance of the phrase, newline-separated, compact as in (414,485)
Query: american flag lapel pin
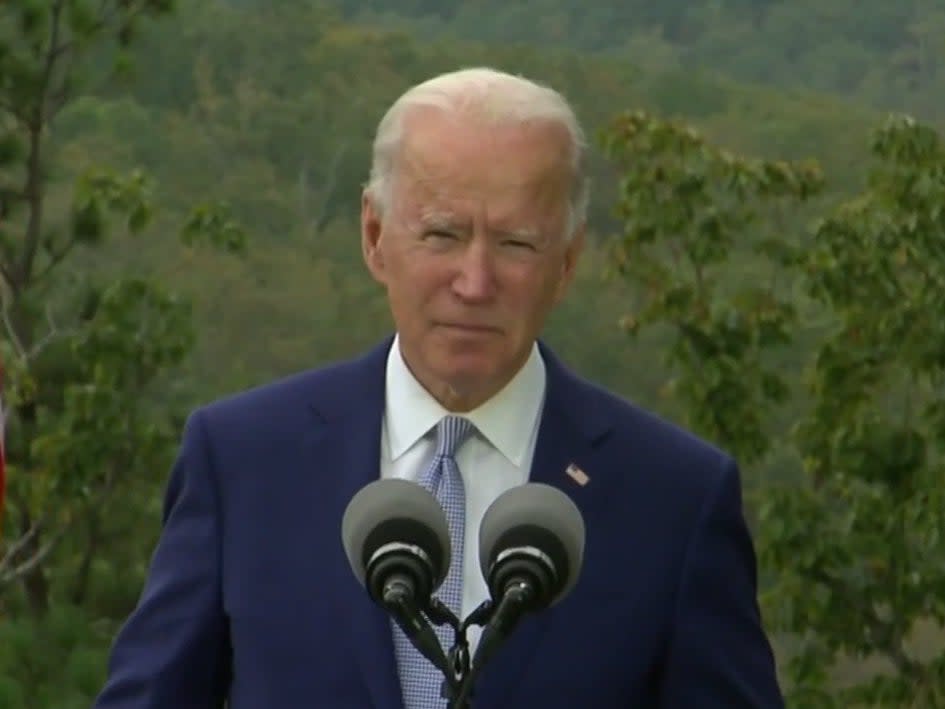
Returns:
(577,475)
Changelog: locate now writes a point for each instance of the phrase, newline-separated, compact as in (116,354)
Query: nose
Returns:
(475,279)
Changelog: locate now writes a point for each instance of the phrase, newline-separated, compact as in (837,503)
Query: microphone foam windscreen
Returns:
(540,507)
(403,511)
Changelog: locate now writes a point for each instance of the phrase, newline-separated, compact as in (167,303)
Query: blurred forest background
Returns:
(178,220)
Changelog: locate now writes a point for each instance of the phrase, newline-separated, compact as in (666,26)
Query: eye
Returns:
(519,244)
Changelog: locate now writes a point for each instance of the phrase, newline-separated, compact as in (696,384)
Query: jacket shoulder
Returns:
(289,401)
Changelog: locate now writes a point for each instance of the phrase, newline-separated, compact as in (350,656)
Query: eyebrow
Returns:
(529,233)
(430,216)
(441,217)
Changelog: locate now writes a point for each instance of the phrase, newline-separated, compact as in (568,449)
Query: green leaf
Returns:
(88,222)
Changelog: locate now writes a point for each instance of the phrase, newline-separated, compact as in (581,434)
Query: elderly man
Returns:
(473,221)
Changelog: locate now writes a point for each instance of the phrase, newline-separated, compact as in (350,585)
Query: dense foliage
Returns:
(850,530)
(887,54)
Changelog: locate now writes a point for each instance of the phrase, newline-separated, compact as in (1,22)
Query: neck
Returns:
(456,401)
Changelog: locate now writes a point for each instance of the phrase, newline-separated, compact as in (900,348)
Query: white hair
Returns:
(490,95)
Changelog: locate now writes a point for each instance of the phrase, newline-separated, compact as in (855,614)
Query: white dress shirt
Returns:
(496,456)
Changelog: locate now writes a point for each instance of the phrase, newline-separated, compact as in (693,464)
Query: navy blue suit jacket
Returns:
(250,598)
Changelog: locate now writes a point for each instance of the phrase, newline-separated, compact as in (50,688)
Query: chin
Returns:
(469,348)
(468,371)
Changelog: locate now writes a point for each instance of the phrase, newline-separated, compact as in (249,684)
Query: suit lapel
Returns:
(349,446)
(570,428)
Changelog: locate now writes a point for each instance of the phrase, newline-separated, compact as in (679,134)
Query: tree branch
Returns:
(55,258)
(93,520)
(19,545)
(328,191)
(7,275)
(33,188)
(29,565)
(11,332)
(52,335)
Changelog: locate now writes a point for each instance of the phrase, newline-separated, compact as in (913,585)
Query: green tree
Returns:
(851,535)
(886,54)
(84,346)
(693,243)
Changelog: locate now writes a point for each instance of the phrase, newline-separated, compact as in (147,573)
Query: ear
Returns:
(372,227)
(572,253)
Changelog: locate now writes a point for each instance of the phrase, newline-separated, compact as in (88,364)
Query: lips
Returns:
(469,327)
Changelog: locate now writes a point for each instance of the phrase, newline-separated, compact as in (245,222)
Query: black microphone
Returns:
(396,538)
(531,549)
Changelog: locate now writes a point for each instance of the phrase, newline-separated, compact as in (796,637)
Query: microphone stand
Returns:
(498,619)
(458,686)
(505,616)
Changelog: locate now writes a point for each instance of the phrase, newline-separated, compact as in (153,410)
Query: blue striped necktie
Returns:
(420,680)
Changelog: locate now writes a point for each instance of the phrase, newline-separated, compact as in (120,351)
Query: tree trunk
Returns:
(35,583)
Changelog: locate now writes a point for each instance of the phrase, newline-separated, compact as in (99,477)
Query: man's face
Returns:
(472,251)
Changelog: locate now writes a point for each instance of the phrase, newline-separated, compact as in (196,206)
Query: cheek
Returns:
(527,290)
(416,285)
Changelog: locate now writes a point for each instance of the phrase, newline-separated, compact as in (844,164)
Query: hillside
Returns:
(889,55)
(211,111)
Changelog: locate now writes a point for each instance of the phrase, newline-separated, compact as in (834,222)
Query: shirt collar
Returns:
(507,420)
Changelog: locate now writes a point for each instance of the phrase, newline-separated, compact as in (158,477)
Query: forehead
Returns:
(452,163)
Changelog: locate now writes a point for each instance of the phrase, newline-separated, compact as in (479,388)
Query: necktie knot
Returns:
(451,433)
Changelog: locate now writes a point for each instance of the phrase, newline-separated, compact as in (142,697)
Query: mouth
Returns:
(469,327)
